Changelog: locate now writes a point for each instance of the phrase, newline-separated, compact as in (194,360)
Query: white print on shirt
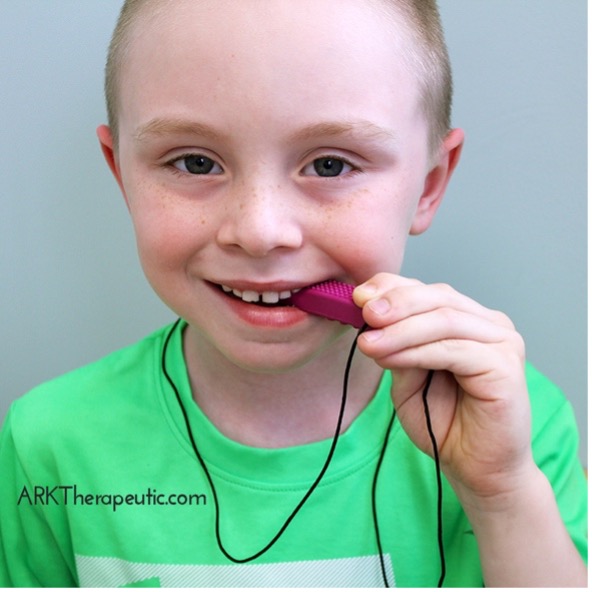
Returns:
(352,572)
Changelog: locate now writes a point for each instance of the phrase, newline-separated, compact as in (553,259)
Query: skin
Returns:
(262,218)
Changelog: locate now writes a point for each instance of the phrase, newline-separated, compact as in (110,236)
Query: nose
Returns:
(260,218)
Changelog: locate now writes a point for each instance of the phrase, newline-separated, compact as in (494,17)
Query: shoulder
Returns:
(555,446)
(546,398)
(555,436)
(96,389)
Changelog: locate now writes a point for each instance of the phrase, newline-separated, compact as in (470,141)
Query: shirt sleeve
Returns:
(556,452)
(31,544)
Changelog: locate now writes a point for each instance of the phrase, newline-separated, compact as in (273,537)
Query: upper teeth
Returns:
(252,296)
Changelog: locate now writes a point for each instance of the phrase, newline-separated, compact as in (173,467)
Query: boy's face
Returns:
(265,150)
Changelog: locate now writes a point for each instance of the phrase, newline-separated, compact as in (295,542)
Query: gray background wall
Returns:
(511,234)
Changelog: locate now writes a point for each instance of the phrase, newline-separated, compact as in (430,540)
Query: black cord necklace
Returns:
(323,469)
(209,478)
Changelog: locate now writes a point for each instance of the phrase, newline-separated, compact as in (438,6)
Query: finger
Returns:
(432,326)
(392,305)
(483,370)
(458,356)
(380,284)
(475,347)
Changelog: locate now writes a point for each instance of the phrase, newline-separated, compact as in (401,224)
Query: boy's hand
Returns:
(478,398)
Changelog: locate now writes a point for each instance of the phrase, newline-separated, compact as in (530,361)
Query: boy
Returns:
(260,152)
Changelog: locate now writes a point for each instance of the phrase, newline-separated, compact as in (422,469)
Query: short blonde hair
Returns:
(428,59)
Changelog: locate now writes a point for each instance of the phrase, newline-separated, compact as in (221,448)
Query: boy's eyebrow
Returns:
(337,128)
(162,127)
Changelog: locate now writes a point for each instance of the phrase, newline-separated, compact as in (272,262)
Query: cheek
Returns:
(368,233)
(167,235)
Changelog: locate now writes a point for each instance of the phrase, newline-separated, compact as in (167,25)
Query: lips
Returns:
(266,306)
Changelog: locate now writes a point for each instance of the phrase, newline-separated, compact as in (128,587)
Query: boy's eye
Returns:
(197,164)
(327,166)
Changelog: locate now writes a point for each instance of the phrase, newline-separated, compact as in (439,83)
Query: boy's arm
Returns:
(29,553)
(555,448)
(480,412)
(523,541)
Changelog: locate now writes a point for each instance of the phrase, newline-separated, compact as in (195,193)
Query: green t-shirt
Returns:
(100,487)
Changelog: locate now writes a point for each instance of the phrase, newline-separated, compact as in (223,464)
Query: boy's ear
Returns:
(437,181)
(108,147)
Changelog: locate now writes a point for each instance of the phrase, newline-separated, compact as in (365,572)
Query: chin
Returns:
(273,358)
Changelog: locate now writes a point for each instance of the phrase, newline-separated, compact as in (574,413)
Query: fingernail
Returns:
(373,335)
(380,306)
(367,289)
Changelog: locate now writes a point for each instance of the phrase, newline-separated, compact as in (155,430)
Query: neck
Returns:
(275,410)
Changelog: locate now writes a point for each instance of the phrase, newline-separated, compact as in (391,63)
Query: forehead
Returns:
(302,50)
(321,15)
